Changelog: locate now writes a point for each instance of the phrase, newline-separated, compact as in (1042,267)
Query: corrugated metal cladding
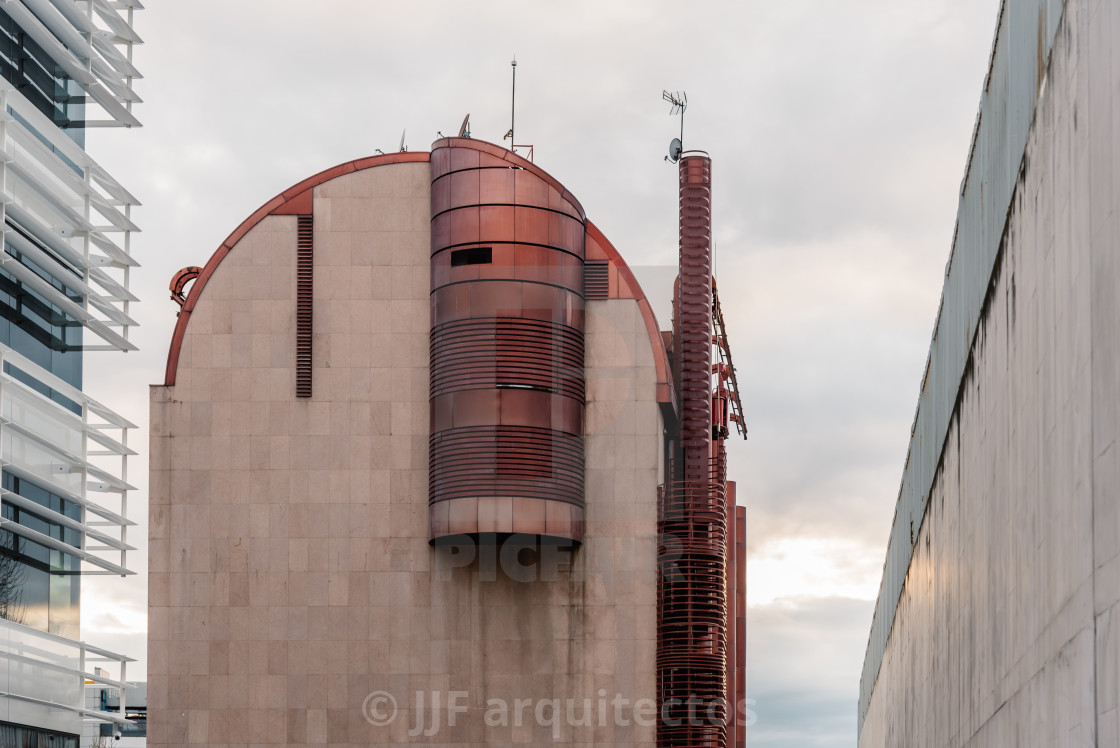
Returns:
(1024,37)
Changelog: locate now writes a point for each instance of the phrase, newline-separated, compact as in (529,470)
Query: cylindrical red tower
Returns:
(694,309)
(692,521)
(507,380)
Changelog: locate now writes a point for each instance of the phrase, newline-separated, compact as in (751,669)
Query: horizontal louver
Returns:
(595,284)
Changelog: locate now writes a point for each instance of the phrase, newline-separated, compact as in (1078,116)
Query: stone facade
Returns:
(290,571)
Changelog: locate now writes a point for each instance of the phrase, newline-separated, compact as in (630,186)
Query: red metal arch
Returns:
(179,283)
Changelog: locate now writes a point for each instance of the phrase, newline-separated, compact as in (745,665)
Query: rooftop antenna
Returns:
(403,148)
(465,128)
(513,106)
(679,100)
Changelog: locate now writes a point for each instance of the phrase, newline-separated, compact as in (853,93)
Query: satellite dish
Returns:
(675,149)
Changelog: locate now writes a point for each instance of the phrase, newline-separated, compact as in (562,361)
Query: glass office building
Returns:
(65,67)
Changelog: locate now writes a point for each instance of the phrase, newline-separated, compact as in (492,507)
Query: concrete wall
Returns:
(290,573)
(1008,629)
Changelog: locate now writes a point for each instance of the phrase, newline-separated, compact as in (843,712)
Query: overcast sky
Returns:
(838,132)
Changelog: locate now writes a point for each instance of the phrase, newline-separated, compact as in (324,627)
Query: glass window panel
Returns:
(39,586)
(25,64)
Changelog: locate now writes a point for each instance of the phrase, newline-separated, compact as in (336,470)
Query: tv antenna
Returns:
(679,100)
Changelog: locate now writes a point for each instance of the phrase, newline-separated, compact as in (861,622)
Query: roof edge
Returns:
(292,201)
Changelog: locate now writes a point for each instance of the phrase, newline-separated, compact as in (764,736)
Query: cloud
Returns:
(803,666)
(126,617)
(787,570)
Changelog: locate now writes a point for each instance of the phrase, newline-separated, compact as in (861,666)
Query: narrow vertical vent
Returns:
(595,283)
(304,264)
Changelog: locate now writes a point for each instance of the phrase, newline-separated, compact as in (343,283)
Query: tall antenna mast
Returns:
(513,117)
(513,106)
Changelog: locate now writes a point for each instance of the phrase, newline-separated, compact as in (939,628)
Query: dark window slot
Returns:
(472,256)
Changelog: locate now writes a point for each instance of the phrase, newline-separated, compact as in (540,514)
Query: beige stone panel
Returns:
(301,573)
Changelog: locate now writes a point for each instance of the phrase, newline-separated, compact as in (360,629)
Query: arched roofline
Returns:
(296,200)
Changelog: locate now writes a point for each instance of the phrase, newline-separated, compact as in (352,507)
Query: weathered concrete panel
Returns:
(1020,52)
(1007,631)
